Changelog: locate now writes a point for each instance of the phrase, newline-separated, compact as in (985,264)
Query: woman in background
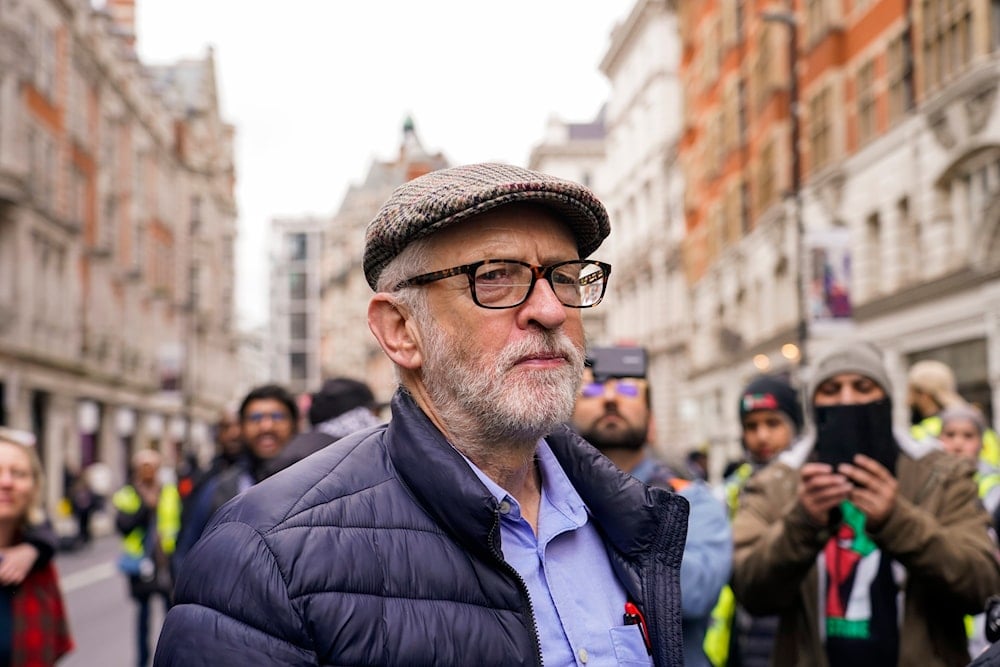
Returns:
(33,626)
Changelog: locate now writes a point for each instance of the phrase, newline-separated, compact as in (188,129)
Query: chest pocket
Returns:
(630,649)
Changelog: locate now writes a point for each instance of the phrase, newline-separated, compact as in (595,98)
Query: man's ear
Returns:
(395,330)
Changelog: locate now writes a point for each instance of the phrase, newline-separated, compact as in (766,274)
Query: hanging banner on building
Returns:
(170,365)
(829,275)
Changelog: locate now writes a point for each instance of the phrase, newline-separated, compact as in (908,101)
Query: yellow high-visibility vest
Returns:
(168,518)
(931,427)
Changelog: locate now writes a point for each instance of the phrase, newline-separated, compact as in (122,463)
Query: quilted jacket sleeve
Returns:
(775,543)
(949,546)
(232,607)
(708,551)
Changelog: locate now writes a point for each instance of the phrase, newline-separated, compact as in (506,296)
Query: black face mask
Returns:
(845,430)
(915,415)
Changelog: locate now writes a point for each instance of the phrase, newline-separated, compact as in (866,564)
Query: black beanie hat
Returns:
(768,392)
(336,397)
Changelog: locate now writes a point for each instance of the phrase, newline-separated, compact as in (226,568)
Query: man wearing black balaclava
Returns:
(870,547)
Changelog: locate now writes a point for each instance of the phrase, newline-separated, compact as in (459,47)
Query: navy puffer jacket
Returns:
(384,549)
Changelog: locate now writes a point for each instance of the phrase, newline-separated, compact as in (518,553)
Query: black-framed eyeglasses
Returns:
(506,283)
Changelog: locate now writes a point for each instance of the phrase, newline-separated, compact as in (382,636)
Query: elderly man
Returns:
(870,546)
(475,528)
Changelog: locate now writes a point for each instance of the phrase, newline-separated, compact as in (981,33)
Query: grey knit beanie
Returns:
(441,198)
(861,358)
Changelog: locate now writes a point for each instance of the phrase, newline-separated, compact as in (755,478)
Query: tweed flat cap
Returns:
(441,198)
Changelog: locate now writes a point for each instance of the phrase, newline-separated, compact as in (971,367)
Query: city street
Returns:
(101,614)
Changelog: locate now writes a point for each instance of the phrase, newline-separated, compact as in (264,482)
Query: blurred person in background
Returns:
(228,441)
(147,515)
(697,464)
(268,419)
(34,630)
(83,504)
(341,406)
(869,545)
(228,449)
(613,412)
(962,429)
(771,419)
(931,388)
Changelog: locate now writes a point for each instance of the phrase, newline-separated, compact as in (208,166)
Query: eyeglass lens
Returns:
(499,284)
(622,388)
(258,417)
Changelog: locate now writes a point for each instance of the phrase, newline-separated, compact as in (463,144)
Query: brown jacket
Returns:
(938,532)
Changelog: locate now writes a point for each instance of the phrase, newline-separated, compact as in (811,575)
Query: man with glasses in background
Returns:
(614,413)
(475,528)
(268,418)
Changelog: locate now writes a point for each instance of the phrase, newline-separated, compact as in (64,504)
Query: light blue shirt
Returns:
(576,598)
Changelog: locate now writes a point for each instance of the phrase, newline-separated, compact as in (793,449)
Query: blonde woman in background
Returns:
(33,626)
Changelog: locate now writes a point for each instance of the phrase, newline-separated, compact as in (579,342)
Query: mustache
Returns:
(546,343)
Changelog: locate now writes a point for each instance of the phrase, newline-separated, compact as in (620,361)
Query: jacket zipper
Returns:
(517,576)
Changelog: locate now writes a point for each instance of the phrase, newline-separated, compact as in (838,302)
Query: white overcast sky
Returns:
(317,89)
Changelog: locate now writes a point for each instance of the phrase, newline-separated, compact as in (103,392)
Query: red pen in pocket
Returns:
(634,617)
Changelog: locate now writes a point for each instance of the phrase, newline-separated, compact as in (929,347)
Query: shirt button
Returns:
(504,507)
(583,655)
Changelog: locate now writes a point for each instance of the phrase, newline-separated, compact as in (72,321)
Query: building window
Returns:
(866,102)
(195,221)
(910,233)
(77,197)
(947,40)
(873,250)
(298,246)
(899,84)
(297,285)
(817,19)
(820,129)
(995,24)
(298,363)
(766,187)
(44,46)
(761,74)
(299,326)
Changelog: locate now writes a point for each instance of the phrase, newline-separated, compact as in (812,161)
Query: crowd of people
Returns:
(511,509)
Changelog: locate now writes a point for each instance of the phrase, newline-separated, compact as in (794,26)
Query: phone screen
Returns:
(845,430)
(836,439)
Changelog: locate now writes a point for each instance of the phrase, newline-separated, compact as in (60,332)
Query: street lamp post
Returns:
(787,19)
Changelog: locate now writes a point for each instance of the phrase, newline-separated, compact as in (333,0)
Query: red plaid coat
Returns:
(41,632)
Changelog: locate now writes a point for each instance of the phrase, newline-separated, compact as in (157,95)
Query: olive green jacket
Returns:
(938,532)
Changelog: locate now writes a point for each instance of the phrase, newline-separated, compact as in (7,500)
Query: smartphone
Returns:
(836,438)
(845,430)
(617,362)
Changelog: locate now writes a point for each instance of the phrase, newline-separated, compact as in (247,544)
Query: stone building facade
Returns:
(893,156)
(642,185)
(294,322)
(347,346)
(117,227)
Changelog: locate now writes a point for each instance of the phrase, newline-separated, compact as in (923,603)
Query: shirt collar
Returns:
(557,490)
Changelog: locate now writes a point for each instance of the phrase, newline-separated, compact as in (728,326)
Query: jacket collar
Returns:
(627,511)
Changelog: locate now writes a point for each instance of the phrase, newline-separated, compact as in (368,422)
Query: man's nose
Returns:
(543,306)
(849,397)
